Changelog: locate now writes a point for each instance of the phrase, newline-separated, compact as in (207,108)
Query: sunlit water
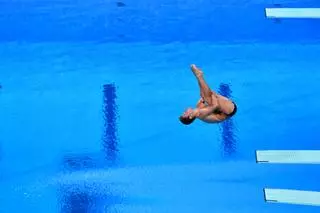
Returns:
(57,124)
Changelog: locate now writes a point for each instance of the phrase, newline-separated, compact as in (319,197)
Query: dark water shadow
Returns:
(80,194)
(228,127)
(70,200)
(110,111)
(120,4)
(79,198)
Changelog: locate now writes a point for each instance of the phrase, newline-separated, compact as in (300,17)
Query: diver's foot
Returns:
(196,71)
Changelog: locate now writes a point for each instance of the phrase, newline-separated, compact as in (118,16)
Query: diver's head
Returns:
(187,117)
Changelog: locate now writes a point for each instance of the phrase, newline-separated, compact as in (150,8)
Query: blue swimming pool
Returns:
(89,118)
(94,127)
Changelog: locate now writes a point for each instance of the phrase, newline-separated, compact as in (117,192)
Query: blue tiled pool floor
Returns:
(225,187)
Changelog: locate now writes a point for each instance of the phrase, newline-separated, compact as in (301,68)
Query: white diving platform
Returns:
(307,13)
(292,196)
(288,156)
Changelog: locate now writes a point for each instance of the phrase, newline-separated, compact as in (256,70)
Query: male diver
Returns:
(212,107)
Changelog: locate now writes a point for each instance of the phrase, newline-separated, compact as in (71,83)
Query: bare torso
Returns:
(225,107)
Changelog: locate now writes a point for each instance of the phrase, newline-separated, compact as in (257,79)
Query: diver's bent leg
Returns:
(205,92)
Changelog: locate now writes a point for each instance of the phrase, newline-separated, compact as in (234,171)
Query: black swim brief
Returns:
(234,110)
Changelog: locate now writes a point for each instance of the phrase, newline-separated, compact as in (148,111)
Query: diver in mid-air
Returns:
(212,107)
